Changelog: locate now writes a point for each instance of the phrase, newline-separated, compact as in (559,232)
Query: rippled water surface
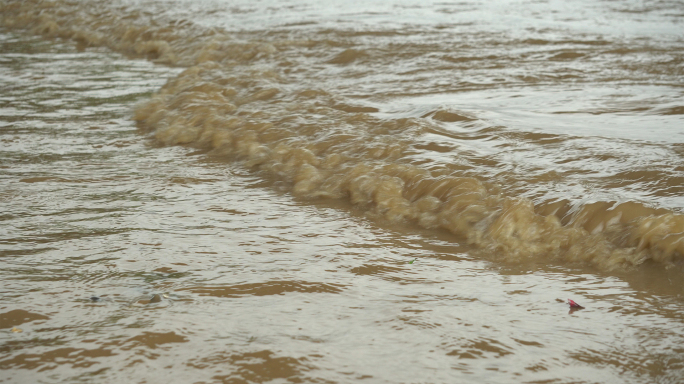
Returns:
(321,192)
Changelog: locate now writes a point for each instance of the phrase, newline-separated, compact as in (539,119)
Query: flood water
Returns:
(389,191)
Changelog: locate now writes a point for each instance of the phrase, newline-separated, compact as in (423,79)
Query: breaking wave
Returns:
(250,100)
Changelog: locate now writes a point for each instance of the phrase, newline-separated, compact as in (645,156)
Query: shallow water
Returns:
(389,192)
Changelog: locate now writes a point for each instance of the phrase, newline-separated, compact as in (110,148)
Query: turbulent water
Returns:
(293,191)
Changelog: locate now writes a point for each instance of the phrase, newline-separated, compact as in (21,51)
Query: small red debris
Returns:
(574,305)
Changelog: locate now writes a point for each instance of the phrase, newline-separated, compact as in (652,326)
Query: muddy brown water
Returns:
(385,192)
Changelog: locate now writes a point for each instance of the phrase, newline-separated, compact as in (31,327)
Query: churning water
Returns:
(300,191)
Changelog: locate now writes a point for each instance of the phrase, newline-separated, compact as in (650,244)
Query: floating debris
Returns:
(156,298)
(94,298)
(16,330)
(411,262)
(574,305)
